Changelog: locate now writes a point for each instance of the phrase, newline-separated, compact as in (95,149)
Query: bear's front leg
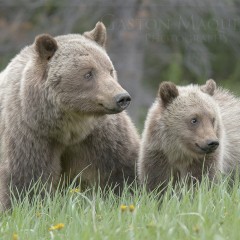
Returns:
(208,167)
(28,158)
(154,170)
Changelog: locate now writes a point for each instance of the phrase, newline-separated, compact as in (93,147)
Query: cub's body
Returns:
(189,132)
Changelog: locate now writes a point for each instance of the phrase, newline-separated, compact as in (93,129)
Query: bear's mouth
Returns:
(110,110)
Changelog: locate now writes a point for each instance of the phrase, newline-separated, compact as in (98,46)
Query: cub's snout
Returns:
(208,146)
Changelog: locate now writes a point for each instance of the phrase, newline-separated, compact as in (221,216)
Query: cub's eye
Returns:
(88,75)
(194,121)
(111,72)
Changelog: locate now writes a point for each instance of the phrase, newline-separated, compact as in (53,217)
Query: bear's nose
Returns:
(123,100)
(209,146)
(212,144)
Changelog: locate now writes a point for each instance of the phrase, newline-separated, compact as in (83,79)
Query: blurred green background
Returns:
(184,41)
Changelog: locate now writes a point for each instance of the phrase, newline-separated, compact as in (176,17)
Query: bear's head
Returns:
(190,118)
(78,73)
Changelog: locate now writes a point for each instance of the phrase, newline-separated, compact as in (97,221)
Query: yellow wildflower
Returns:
(123,208)
(99,218)
(38,214)
(57,227)
(196,229)
(151,225)
(14,236)
(75,190)
(131,208)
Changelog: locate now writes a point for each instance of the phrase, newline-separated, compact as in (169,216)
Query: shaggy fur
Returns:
(57,105)
(180,125)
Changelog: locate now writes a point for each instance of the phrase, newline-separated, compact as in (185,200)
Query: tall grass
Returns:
(211,211)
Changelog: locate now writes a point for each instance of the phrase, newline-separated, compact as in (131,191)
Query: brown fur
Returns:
(179,128)
(46,46)
(57,116)
(167,92)
(209,87)
(98,34)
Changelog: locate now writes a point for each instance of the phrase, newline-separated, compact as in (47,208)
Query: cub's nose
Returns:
(123,100)
(208,146)
(212,144)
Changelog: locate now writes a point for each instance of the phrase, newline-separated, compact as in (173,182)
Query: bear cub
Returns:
(62,114)
(190,131)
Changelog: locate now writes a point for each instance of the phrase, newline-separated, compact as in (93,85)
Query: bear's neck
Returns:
(75,128)
(44,116)
(195,166)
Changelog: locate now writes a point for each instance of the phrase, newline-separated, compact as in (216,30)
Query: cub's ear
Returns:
(209,87)
(46,46)
(98,34)
(167,92)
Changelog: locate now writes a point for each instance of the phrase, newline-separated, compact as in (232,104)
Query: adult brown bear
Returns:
(61,112)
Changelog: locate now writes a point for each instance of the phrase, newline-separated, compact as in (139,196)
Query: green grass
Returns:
(209,212)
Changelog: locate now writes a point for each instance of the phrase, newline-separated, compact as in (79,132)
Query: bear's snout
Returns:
(209,146)
(123,100)
(213,144)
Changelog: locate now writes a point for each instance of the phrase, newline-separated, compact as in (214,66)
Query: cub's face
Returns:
(198,131)
(82,76)
(191,119)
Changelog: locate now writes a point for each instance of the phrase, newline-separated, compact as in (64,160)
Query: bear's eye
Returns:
(194,121)
(88,75)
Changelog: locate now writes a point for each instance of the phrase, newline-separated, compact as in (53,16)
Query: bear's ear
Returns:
(98,34)
(46,46)
(167,92)
(209,87)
